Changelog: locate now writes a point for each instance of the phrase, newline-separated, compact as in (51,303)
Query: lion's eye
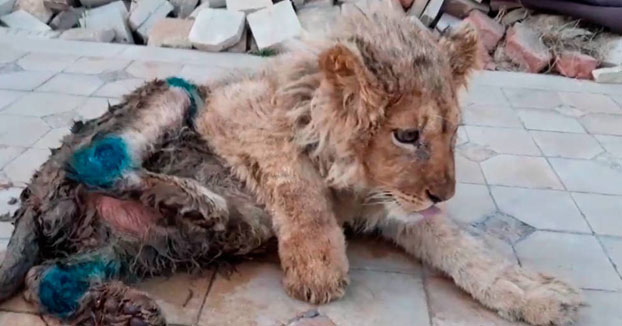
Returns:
(406,136)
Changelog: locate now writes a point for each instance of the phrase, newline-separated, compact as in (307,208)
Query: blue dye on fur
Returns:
(191,90)
(101,163)
(62,286)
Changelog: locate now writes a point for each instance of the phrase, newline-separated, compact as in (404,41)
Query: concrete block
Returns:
(242,44)
(36,8)
(197,10)
(215,3)
(447,22)
(417,8)
(95,3)
(171,32)
(217,29)
(111,16)
(608,75)
(248,6)
(67,19)
(89,35)
(318,20)
(29,34)
(183,8)
(612,51)
(6,6)
(142,11)
(23,20)
(432,10)
(273,25)
(156,16)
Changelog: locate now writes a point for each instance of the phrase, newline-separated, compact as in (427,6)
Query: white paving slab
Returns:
(216,29)
(111,16)
(21,19)
(274,25)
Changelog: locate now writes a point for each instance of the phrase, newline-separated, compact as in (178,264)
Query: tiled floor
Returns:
(539,166)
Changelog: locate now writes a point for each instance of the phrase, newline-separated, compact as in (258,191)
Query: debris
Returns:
(462,8)
(575,64)
(6,6)
(275,24)
(111,16)
(95,3)
(498,5)
(612,51)
(183,8)
(67,19)
(318,20)
(59,5)
(216,29)
(215,3)
(88,34)
(608,75)
(514,16)
(417,8)
(525,48)
(35,8)
(145,14)
(171,32)
(490,32)
(248,6)
(24,20)
(241,46)
(197,10)
(432,10)
(30,34)
(447,22)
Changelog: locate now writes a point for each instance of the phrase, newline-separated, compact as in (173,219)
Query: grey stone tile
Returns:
(590,103)
(451,306)
(94,107)
(568,256)
(602,212)
(505,227)
(503,140)
(461,136)
(568,145)
(542,209)
(483,95)
(613,247)
(53,139)
(520,171)
(606,124)
(372,298)
(8,153)
(468,171)
(223,60)
(97,65)
(202,74)
(475,152)
(8,97)
(23,80)
(471,203)
(531,98)
(549,120)
(43,104)
(9,203)
(62,46)
(491,115)
(613,144)
(588,176)
(21,131)
(371,254)
(46,62)
(9,55)
(119,88)
(149,70)
(20,170)
(602,309)
(74,84)
(61,120)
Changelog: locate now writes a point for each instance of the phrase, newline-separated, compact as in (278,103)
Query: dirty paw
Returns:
(316,283)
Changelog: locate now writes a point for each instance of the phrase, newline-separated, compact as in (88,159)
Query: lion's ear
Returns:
(343,66)
(462,47)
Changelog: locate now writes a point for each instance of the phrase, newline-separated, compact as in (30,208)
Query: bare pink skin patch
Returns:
(127,216)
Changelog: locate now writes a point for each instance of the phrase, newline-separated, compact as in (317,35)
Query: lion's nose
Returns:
(434,198)
(441,194)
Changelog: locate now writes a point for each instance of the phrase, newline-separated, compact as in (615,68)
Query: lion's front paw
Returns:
(537,299)
(317,285)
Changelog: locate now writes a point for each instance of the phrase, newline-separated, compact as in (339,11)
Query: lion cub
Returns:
(359,129)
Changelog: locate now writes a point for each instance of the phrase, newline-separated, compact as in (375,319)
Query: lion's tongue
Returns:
(430,212)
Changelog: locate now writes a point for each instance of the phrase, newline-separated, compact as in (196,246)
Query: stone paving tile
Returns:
(94,107)
(470,204)
(52,139)
(46,62)
(485,96)
(461,136)
(19,319)
(43,104)
(602,309)
(588,176)
(9,55)
(542,209)
(590,103)
(8,97)
(74,84)
(23,80)
(8,153)
(530,98)
(151,70)
(21,169)
(491,115)
(202,74)
(549,121)
(504,141)
(573,257)
(450,306)
(6,228)
(520,171)
(613,246)
(370,254)
(568,145)
(468,171)
(612,144)
(602,212)
(606,124)
(21,131)
(373,298)
(475,152)
(95,65)
(180,297)
(119,88)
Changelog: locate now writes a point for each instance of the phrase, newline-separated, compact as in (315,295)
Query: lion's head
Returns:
(393,114)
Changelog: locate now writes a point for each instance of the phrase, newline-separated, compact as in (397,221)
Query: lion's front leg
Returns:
(311,243)
(514,292)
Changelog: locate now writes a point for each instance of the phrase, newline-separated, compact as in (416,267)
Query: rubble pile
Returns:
(513,38)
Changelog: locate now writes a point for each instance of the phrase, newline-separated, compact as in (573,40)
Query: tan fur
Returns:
(312,136)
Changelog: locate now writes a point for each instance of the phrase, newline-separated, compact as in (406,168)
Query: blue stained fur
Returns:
(62,286)
(101,163)
(191,90)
